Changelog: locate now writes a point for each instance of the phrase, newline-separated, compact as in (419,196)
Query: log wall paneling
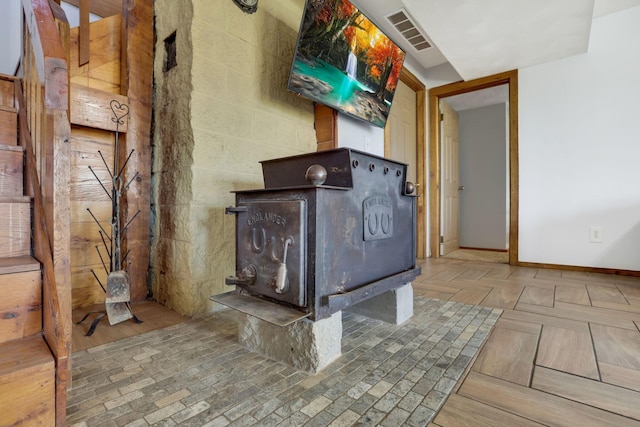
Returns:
(87,193)
(94,85)
(103,69)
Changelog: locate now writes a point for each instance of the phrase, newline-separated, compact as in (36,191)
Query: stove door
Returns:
(271,245)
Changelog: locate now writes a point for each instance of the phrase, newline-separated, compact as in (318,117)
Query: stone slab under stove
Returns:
(305,345)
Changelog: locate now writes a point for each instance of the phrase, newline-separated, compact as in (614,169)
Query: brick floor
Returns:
(196,374)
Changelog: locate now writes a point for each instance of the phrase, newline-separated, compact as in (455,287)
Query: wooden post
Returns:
(83,46)
(137,75)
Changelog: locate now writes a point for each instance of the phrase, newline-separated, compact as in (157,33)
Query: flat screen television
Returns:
(345,61)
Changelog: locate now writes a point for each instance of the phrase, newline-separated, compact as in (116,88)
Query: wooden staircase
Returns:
(35,284)
(27,365)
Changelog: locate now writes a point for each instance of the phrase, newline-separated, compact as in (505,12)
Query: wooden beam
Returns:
(92,107)
(83,45)
(102,8)
(326,125)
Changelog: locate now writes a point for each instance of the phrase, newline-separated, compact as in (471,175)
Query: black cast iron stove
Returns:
(329,230)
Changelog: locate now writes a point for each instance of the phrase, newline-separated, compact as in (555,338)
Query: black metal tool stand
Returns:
(117,291)
(101,315)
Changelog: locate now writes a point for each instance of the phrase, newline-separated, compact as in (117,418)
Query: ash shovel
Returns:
(118,297)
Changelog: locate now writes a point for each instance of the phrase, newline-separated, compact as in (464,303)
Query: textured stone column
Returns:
(304,345)
(392,307)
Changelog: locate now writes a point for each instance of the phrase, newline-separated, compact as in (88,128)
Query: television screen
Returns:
(344,61)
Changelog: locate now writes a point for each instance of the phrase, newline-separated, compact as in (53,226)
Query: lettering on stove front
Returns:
(377,218)
(266,216)
(271,243)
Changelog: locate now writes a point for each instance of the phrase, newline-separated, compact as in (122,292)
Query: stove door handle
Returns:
(235,210)
(281,276)
(246,277)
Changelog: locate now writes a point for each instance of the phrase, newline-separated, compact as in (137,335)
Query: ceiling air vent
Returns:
(408,29)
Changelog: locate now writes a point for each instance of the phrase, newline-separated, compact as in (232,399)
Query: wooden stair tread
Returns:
(8,109)
(4,147)
(25,354)
(27,382)
(18,264)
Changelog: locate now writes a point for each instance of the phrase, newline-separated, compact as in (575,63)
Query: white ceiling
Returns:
(481,38)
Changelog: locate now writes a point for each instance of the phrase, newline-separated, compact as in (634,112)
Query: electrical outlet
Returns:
(596,235)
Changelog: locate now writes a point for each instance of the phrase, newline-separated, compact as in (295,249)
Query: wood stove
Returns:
(329,230)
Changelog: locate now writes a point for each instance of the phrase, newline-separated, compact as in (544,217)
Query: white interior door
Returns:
(450,224)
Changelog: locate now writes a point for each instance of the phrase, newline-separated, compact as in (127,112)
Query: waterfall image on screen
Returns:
(344,61)
(352,66)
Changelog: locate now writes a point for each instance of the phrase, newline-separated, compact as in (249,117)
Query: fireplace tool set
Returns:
(118,288)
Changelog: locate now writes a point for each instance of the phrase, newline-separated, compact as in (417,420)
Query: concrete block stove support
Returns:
(304,345)
(394,306)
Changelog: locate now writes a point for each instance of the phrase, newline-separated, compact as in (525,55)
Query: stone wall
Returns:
(218,112)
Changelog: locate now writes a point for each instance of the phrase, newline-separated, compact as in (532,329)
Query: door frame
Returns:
(435,94)
(420,89)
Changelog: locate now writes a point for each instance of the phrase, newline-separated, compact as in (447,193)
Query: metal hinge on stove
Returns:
(235,210)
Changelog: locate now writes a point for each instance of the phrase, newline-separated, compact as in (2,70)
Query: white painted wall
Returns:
(10,36)
(579,147)
(354,133)
(483,173)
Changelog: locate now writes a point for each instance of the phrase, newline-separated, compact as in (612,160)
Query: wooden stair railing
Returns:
(43,108)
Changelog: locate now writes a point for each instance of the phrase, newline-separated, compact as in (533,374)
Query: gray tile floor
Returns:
(196,374)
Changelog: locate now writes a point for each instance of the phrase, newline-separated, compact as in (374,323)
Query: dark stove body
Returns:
(320,248)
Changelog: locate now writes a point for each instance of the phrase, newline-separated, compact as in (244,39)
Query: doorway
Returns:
(435,151)
(474,129)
